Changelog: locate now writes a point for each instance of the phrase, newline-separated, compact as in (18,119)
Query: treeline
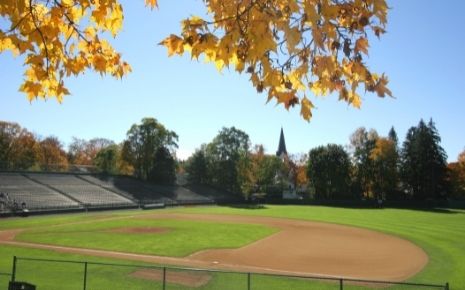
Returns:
(147,152)
(370,167)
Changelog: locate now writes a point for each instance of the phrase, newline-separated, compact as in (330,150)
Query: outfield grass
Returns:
(439,233)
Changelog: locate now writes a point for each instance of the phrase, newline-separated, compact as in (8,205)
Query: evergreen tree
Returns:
(196,167)
(424,164)
(164,167)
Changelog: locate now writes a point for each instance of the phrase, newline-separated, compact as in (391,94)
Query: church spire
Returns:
(282,145)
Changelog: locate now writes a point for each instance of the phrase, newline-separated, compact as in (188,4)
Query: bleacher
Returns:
(88,194)
(181,195)
(40,192)
(212,193)
(129,187)
(17,189)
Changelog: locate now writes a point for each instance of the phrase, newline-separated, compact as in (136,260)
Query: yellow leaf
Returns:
(151,3)
(306,107)
(174,44)
(381,88)
(362,45)
(32,89)
(100,63)
(354,100)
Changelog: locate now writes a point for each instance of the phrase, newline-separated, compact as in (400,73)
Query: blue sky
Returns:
(422,53)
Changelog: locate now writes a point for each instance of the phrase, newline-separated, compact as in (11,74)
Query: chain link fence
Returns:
(80,275)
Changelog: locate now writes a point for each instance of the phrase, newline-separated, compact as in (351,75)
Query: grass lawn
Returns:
(439,233)
(181,238)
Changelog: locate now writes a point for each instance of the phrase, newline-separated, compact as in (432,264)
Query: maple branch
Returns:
(18,23)
(41,36)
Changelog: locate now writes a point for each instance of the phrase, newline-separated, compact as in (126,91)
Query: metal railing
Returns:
(86,275)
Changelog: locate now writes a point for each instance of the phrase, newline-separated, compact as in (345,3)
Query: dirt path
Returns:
(300,247)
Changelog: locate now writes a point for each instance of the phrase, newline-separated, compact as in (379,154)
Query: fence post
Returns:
(447,286)
(13,271)
(164,278)
(248,281)
(341,284)
(85,275)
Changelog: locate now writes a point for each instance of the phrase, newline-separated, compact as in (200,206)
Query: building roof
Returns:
(282,145)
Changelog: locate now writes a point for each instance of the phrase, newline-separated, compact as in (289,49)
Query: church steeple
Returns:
(282,145)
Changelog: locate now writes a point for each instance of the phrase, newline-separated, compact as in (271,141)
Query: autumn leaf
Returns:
(174,44)
(361,45)
(306,108)
(290,48)
(151,3)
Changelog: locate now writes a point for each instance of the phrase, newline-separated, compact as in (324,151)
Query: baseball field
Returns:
(425,246)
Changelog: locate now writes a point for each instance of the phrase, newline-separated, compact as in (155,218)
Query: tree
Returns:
(362,143)
(289,48)
(228,150)
(457,176)
(265,171)
(328,170)
(196,167)
(83,152)
(164,167)
(385,178)
(18,147)
(142,143)
(51,155)
(424,162)
(106,160)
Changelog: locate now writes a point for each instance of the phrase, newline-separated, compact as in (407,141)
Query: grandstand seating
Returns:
(213,193)
(35,196)
(80,190)
(57,191)
(130,187)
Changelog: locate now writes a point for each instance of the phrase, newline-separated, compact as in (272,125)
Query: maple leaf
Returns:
(361,45)
(306,107)
(289,47)
(151,3)
(32,89)
(381,88)
(174,44)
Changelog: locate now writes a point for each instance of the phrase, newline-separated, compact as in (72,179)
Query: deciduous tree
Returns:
(457,176)
(106,160)
(18,147)
(362,142)
(225,153)
(51,155)
(385,178)
(142,143)
(328,170)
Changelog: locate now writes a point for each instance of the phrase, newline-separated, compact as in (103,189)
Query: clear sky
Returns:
(422,53)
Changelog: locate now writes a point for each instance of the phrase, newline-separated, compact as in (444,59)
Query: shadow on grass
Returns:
(246,206)
(349,206)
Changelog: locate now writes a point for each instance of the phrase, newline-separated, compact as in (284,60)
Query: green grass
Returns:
(181,238)
(440,233)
